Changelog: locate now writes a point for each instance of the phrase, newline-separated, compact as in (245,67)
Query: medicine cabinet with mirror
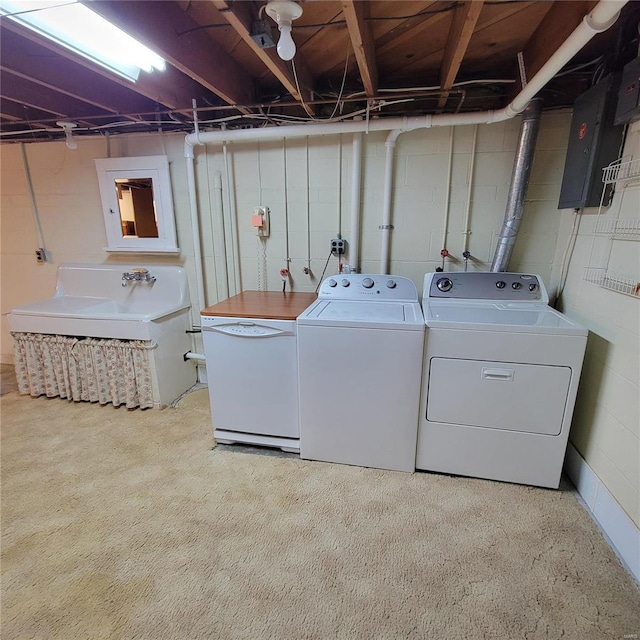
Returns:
(137,204)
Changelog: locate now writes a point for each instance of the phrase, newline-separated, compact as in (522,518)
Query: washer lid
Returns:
(500,316)
(397,315)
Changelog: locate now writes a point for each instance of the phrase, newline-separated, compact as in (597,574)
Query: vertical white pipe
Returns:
(386,199)
(306,147)
(447,199)
(233,222)
(356,176)
(287,258)
(467,214)
(195,229)
(218,236)
(34,203)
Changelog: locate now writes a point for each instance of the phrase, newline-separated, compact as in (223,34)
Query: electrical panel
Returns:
(594,142)
(628,108)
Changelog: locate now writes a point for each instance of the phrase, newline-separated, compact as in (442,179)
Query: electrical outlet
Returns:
(41,255)
(338,246)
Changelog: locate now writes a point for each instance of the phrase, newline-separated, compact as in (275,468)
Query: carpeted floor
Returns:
(128,525)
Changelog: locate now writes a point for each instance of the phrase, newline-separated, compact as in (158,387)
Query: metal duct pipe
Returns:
(519,181)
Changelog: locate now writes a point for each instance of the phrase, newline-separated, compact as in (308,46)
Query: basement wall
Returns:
(66,187)
(606,423)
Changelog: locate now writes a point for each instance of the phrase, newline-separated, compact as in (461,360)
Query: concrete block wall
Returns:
(606,424)
(316,201)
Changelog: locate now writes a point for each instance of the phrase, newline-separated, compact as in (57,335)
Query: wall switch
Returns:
(338,246)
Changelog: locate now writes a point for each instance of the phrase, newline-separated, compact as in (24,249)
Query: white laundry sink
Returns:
(94,301)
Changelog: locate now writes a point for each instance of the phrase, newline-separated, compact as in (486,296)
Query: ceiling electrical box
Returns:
(594,142)
(628,108)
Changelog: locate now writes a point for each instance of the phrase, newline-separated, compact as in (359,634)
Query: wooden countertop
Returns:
(274,305)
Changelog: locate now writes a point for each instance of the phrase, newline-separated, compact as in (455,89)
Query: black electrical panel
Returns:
(594,142)
(628,108)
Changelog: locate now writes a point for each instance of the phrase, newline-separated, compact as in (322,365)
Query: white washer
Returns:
(500,378)
(360,358)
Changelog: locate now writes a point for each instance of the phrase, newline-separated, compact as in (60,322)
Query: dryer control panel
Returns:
(359,286)
(476,285)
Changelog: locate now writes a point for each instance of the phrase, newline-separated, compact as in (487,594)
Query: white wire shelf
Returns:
(622,170)
(614,282)
(620,229)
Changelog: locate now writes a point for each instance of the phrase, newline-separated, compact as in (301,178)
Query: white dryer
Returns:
(359,360)
(500,378)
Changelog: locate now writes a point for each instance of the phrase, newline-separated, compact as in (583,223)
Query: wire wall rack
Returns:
(624,172)
(624,169)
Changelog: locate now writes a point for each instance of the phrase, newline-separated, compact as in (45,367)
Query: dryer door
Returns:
(498,395)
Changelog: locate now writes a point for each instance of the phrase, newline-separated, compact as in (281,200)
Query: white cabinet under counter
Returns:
(250,344)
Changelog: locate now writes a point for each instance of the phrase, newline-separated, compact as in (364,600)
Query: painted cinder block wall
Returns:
(67,196)
(606,423)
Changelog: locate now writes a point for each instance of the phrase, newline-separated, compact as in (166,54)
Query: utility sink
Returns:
(94,300)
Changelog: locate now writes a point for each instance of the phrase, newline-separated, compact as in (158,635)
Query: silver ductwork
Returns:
(519,181)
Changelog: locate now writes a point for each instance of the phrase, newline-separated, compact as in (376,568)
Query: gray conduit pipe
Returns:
(519,181)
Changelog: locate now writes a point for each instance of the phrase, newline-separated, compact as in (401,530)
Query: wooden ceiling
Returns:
(367,57)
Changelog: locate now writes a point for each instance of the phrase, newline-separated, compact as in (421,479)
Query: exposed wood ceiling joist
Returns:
(463,25)
(172,34)
(240,16)
(355,13)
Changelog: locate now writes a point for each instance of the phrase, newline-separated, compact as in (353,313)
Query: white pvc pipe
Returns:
(34,202)
(190,355)
(447,200)
(233,222)
(386,200)
(218,236)
(195,229)
(356,176)
(466,230)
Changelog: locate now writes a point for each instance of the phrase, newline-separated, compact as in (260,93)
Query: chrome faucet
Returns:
(138,274)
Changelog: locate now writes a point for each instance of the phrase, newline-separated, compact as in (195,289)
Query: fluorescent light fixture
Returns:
(74,26)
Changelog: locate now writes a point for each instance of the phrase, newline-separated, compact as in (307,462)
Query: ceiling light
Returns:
(283,12)
(77,28)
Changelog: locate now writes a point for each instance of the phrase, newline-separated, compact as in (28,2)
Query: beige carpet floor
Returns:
(130,525)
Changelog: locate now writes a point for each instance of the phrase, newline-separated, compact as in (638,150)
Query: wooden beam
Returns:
(158,25)
(33,95)
(362,43)
(29,60)
(18,112)
(463,24)
(240,16)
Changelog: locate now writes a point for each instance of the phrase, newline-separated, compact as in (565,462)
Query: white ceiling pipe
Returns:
(603,16)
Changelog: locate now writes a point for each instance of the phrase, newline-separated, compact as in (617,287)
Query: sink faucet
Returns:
(138,274)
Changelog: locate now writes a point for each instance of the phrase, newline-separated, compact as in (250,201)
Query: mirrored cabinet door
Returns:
(137,204)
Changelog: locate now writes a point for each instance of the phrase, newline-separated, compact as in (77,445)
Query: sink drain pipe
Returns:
(519,181)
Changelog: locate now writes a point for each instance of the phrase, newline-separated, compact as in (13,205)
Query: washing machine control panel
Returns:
(475,285)
(358,286)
